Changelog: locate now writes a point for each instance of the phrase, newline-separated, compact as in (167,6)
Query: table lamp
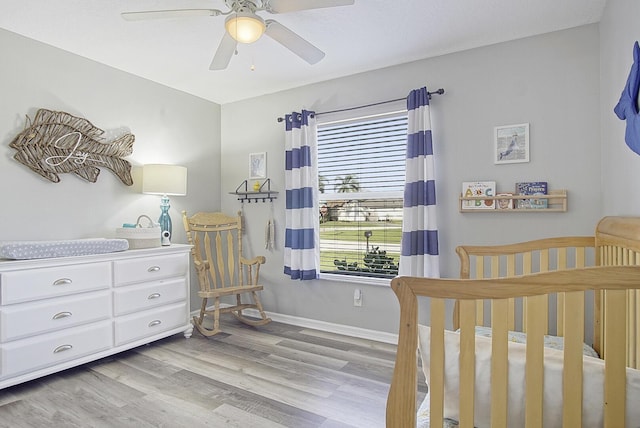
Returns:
(164,180)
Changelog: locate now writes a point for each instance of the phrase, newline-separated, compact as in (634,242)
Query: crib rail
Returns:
(542,255)
(613,281)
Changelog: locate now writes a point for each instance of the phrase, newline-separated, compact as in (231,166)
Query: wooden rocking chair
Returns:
(221,268)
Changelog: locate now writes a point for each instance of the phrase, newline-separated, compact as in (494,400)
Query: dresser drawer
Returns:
(140,297)
(41,283)
(144,324)
(149,268)
(31,318)
(42,351)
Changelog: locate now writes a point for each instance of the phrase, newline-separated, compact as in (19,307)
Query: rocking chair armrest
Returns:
(254,261)
(201,264)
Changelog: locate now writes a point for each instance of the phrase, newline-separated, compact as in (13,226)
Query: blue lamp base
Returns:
(165,221)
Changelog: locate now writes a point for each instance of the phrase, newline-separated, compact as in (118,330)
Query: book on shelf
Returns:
(532,188)
(504,204)
(478,189)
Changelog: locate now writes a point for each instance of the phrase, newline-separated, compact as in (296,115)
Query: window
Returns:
(361,172)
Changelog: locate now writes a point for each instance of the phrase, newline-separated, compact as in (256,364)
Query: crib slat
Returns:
(561,259)
(614,363)
(572,372)
(499,363)
(631,326)
(598,307)
(635,343)
(544,267)
(632,317)
(534,369)
(561,264)
(511,272)
(630,311)
(526,269)
(581,260)
(436,349)
(479,303)
(467,362)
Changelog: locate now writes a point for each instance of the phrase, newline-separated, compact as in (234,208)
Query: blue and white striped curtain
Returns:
(302,235)
(419,254)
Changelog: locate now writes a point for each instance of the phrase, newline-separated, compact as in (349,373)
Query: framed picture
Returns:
(511,143)
(258,165)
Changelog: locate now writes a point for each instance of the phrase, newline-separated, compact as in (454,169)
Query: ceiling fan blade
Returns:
(163,14)
(225,51)
(293,42)
(283,6)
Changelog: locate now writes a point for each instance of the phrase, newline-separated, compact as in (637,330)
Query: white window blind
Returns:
(361,168)
(372,150)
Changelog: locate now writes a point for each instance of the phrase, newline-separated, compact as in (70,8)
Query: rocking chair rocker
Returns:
(221,268)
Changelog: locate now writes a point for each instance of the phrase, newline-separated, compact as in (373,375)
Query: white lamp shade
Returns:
(245,27)
(164,179)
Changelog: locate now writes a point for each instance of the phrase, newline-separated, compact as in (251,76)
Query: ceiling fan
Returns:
(243,25)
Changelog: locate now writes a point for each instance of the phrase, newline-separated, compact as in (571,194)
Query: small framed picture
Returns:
(511,143)
(257,165)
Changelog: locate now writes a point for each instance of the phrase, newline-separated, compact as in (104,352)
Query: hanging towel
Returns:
(627,107)
(269,234)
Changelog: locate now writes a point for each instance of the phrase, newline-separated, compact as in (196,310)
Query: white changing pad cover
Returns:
(22,250)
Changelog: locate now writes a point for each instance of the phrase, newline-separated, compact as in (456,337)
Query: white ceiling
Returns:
(368,35)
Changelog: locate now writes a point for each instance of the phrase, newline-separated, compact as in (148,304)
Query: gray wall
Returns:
(550,81)
(564,84)
(620,165)
(169,126)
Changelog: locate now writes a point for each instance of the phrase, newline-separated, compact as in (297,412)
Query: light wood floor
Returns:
(271,376)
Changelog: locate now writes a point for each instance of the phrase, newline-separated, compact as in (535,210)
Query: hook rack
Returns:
(244,194)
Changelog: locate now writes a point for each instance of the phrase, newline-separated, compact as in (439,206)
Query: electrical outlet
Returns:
(357,297)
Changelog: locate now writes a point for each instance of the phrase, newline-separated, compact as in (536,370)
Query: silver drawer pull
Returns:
(154,323)
(153,269)
(62,348)
(62,281)
(153,296)
(60,315)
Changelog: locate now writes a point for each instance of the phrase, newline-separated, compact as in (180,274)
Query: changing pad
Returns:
(21,250)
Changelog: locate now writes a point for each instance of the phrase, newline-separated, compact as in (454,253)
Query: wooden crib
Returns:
(586,284)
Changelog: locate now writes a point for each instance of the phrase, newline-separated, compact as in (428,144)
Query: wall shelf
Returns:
(263,193)
(556,201)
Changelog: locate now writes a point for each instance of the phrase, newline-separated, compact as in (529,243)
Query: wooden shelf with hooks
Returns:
(263,193)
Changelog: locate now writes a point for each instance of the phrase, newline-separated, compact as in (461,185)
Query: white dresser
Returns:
(61,312)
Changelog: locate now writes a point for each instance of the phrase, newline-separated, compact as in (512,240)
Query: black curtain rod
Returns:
(437,92)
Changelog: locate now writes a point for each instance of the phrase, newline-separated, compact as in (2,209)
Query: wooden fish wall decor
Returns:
(56,142)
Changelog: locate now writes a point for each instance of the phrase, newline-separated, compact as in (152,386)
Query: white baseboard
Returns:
(347,330)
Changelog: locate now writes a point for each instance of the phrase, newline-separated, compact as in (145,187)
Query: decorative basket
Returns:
(141,236)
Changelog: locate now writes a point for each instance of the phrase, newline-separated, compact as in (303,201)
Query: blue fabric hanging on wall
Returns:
(627,107)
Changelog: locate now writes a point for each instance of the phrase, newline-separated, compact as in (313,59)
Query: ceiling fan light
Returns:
(245,27)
